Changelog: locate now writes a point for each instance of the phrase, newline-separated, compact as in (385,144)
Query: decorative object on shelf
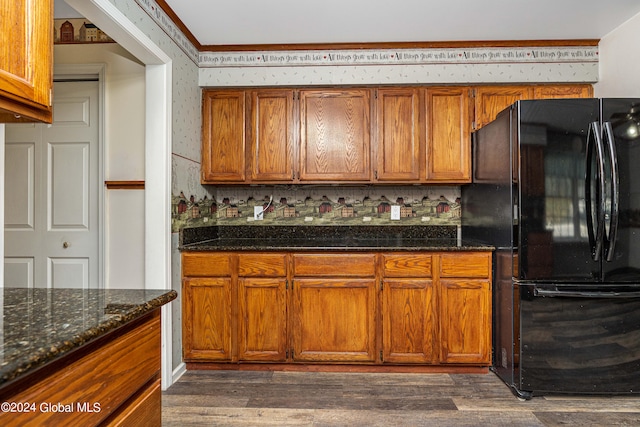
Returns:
(78,30)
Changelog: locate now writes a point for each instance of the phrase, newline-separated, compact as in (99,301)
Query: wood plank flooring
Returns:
(281,398)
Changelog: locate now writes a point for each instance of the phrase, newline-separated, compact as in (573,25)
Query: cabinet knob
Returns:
(66,245)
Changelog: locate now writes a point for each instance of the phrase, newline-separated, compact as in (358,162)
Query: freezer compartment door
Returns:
(579,339)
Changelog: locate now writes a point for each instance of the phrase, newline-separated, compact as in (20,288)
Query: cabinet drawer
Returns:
(204,264)
(344,265)
(407,265)
(262,265)
(466,265)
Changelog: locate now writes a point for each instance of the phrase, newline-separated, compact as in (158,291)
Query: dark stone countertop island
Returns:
(335,238)
(39,326)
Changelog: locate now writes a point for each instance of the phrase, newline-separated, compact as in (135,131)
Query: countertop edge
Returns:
(204,248)
(37,359)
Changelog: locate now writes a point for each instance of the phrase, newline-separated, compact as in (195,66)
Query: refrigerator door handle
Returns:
(596,231)
(584,294)
(615,194)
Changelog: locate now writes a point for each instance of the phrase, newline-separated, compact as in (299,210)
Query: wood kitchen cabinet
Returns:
(335,135)
(490,100)
(119,372)
(223,136)
(385,135)
(262,304)
(409,319)
(398,138)
(334,308)
(26,61)
(207,306)
(563,91)
(371,308)
(448,134)
(272,131)
(465,308)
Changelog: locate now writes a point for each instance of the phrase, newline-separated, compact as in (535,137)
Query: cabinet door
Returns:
(271,133)
(335,135)
(26,60)
(448,123)
(398,135)
(334,320)
(408,324)
(490,100)
(223,136)
(262,321)
(206,319)
(562,91)
(465,321)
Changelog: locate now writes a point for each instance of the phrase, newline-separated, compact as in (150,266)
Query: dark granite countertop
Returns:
(42,325)
(285,238)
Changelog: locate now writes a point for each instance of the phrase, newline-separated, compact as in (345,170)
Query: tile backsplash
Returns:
(319,205)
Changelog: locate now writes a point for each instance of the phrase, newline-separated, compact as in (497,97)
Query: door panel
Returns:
(20,189)
(18,272)
(553,214)
(52,187)
(624,116)
(69,272)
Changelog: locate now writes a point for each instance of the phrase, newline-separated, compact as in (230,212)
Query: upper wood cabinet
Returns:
(490,100)
(398,144)
(223,136)
(335,135)
(562,91)
(448,129)
(271,130)
(26,60)
(385,135)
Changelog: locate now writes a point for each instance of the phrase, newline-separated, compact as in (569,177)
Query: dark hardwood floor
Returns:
(277,398)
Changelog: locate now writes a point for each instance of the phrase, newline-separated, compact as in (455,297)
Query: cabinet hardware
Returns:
(381,357)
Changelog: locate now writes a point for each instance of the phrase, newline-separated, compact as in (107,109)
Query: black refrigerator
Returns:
(556,190)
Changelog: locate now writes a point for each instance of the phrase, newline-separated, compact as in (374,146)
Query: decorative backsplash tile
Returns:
(320,205)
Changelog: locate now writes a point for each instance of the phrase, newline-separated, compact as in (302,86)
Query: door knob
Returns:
(65,245)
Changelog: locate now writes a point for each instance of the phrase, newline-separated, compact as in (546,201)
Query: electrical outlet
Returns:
(258,213)
(395,212)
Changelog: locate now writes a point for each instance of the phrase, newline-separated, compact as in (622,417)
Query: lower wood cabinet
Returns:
(409,323)
(334,308)
(262,307)
(111,381)
(465,303)
(365,308)
(207,318)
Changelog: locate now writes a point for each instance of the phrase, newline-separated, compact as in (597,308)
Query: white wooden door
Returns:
(51,194)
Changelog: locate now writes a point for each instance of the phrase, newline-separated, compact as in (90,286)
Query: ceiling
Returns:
(257,22)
